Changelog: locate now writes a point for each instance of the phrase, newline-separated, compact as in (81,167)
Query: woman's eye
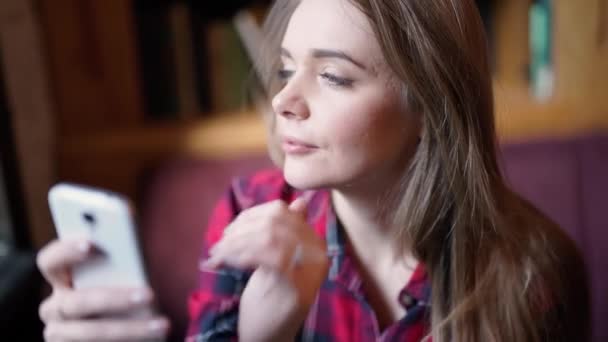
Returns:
(338,81)
(284,74)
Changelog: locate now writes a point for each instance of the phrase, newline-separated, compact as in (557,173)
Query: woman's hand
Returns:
(290,262)
(99,314)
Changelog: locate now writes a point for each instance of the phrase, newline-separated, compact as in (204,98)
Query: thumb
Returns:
(298,206)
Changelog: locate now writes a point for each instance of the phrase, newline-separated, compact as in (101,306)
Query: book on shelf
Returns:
(228,67)
(486,10)
(185,83)
(156,59)
(540,38)
(190,64)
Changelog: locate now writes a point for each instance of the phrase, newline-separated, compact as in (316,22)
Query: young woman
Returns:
(388,219)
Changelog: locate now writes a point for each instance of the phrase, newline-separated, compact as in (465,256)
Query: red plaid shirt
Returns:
(341,311)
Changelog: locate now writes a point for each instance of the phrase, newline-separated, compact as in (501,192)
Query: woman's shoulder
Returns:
(540,238)
(542,234)
(558,275)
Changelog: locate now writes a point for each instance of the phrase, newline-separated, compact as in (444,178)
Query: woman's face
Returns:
(340,117)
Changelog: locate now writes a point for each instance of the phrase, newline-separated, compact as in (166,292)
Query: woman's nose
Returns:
(290,104)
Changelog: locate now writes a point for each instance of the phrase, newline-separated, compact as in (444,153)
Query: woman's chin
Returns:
(304,179)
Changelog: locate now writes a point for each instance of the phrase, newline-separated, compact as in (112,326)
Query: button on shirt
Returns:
(340,312)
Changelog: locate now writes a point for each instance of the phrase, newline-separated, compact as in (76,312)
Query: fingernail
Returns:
(50,331)
(157,325)
(140,296)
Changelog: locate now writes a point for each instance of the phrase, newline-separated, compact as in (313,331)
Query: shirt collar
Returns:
(343,270)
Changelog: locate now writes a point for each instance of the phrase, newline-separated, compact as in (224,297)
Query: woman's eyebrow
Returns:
(325,53)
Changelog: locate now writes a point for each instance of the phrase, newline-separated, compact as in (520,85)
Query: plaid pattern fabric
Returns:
(340,312)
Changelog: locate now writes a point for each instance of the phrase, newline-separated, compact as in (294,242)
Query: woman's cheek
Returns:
(349,132)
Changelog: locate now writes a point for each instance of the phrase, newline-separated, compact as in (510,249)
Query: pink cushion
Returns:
(177,202)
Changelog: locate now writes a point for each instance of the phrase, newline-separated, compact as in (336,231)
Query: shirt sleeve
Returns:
(214,305)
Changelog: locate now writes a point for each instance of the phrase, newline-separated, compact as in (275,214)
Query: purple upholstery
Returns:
(178,200)
(567,179)
(594,173)
(547,174)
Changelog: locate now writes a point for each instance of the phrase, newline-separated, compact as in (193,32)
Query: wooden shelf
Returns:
(519,117)
(579,104)
(225,136)
(118,159)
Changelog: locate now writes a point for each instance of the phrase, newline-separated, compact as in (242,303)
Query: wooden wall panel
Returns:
(581,60)
(91,46)
(27,90)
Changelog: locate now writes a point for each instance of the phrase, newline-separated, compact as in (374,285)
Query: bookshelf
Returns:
(580,57)
(103,134)
(99,86)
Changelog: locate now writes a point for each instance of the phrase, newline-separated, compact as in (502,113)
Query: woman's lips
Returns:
(295,146)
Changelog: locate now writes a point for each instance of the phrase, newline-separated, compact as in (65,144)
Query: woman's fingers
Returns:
(267,235)
(254,249)
(268,215)
(70,304)
(299,205)
(107,330)
(56,259)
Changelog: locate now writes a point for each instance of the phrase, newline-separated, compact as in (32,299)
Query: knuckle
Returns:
(244,214)
(274,219)
(272,239)
(42,260)
(71,303)
(50,332)
(66,305)
(44,309)
(277,206)
(267,220)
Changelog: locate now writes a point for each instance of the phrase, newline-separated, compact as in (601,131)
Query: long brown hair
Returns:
(499,269)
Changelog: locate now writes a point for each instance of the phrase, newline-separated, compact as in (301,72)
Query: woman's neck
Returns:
(367,228)
(383,269)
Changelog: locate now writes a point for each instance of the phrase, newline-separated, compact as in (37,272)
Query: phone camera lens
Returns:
(89,218)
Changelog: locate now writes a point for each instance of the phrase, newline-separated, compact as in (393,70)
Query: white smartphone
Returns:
(106,219)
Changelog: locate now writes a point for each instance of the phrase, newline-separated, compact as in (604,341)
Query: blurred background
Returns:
(149,99)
